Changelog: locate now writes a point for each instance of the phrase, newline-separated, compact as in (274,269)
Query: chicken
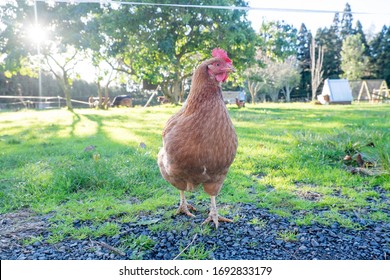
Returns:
(199,141)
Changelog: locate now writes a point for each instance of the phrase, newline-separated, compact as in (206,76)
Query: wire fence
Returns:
(36,102)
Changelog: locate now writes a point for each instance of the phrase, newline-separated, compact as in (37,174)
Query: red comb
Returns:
(220,53)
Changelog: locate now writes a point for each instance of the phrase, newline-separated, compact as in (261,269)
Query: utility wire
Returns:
(246,8)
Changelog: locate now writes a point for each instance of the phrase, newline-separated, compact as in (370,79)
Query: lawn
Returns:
(290,161)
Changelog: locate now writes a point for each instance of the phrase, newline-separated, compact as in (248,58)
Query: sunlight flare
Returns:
(37,34)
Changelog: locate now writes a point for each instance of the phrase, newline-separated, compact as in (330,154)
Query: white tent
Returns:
(336,92)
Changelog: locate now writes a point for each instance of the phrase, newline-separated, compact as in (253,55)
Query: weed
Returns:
(196,252)
(304,220)
(258,222)
(379,216)
(144,242)
(203,230)
(106,229)
(329,217)
(31,240)
(138,244)
(163,226)
(288,236)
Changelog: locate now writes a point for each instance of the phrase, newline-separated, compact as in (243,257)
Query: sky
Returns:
(373,23)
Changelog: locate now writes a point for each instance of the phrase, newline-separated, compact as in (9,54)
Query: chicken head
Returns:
(221,66)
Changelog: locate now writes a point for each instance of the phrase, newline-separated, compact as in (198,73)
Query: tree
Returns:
(62,25)
(353,61)
(15,41)
(272,77)
(303,56)
(62,67)
(162,45)
(105,75)
(359,30)
(289,76)
(330,41)
(64,49)
(346,23)
(155,45)
(380,54)
(278,39)
(317,59)
(276,69)
(255,76)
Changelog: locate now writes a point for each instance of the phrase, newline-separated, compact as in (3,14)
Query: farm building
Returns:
(373,91)
(336,92)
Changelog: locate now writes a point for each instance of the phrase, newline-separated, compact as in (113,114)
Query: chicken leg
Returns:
(213,216)
(184,207)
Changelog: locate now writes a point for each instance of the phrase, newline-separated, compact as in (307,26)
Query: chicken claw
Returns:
(213,216)
(184,206)
(216,219)
(185,209)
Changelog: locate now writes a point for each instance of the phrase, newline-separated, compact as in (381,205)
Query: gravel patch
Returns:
(258,234)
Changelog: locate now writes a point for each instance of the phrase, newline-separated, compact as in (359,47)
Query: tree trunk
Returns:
(181,99)
(100,95)
(287,92)
(316,68)
(176,90)
(254,88)
(274,95)
(68,98)
(66,89)
(106,102)
(172,91)
(103,104)
(252,91)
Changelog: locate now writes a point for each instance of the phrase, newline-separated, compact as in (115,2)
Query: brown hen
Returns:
(199,141)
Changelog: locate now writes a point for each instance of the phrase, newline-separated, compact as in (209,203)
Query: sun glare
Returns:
(37,34)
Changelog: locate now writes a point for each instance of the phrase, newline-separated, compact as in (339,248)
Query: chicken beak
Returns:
(230,69)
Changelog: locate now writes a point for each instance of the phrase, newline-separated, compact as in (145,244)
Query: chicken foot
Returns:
(184,207)
(213,215)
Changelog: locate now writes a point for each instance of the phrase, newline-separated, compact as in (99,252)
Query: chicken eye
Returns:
(217,64)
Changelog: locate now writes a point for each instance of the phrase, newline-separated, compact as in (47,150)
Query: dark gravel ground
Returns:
(239,240)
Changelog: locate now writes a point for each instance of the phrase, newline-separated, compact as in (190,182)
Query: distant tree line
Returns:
(148,48)
(284,62)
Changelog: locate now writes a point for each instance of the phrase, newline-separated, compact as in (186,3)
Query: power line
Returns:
(246,8)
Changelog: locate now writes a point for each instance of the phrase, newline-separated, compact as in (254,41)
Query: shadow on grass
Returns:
(49,164)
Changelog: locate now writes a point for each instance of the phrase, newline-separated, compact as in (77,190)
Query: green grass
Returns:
(288,236)
(289,160)
(138,244)
(196,252)
(31,240)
